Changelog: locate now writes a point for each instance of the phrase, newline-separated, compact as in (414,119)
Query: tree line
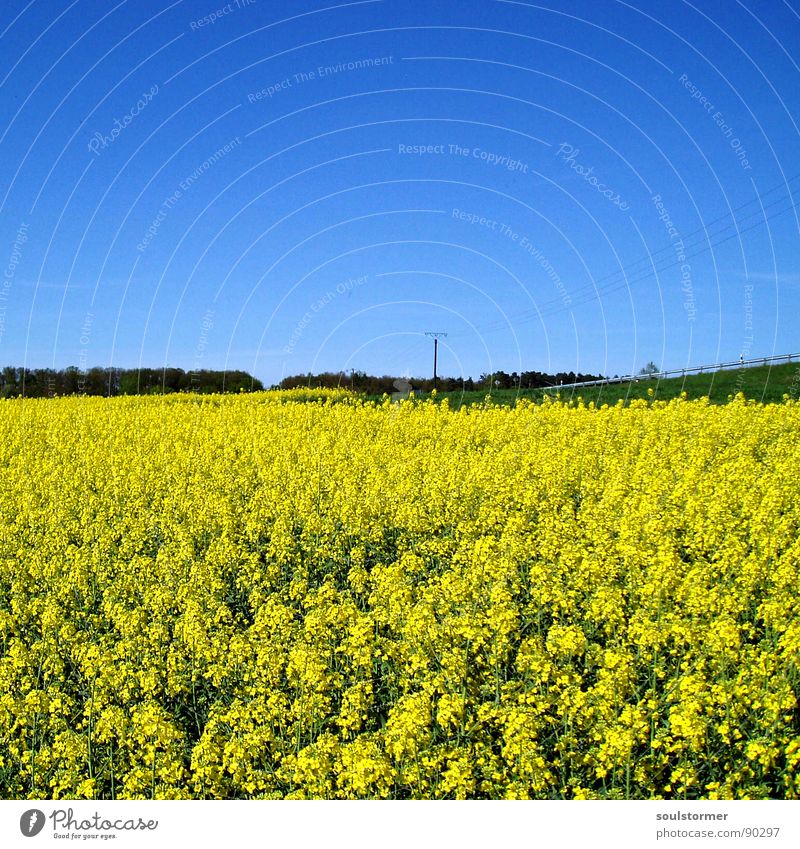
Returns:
(369,384)
(47,382)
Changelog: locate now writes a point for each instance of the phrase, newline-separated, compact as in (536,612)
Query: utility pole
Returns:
(435,350)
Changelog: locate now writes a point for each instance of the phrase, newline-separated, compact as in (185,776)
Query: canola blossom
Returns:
(305,595)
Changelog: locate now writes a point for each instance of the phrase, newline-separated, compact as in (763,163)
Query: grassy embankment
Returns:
(767,384)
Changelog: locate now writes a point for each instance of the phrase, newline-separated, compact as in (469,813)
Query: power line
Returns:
(594,291)
(622,284)
(617,284)
(647,258)
(757,215)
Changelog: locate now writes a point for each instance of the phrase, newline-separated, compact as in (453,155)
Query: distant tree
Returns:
(650,368)
(172,379)
(96,381)
(110,381)
(241,381)
(129,382)
(8,382)
(362,382)
(70,380)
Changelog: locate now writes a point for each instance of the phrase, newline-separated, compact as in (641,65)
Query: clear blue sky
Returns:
(307,186)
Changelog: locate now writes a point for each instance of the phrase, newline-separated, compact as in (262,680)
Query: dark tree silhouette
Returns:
(46,382)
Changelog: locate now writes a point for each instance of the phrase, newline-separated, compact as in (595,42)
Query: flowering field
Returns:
(266,596)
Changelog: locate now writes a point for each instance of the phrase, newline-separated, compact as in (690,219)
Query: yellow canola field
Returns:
(261,596)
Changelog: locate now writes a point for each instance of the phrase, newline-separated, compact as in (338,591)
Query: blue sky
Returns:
(311,186)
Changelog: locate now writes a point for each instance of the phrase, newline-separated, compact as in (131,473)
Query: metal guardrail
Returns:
(681,372)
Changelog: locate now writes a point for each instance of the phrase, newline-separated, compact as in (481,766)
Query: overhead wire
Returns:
(629,275)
